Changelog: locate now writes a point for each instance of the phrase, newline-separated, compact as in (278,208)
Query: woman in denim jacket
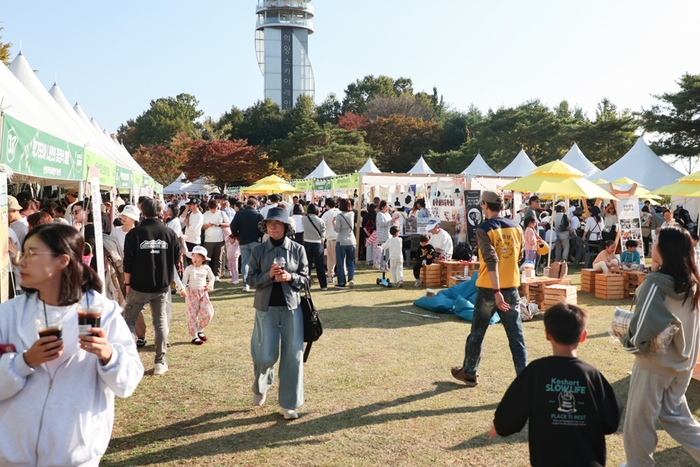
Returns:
(278,314)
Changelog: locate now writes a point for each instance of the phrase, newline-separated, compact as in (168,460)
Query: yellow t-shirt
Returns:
(500,241)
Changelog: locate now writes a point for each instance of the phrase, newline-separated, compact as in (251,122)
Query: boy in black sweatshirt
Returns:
(426,255)
(570,404)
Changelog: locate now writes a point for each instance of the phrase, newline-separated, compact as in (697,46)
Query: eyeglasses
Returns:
(29,255)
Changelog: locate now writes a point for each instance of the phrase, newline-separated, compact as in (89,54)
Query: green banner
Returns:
(108,170)
(346,182)
(322,184)
(123,177)
(304,185)
(29,151)
(136,179)
(233,190)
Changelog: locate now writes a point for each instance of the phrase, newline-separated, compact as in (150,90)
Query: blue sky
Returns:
(115,57)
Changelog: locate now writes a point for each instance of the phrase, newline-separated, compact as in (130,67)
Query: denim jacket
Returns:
(259,275)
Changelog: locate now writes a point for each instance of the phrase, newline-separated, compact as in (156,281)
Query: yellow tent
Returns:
(269,185)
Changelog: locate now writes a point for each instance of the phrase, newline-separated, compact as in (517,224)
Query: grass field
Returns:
(377,384)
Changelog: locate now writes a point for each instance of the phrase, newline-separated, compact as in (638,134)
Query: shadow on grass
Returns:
(280,434)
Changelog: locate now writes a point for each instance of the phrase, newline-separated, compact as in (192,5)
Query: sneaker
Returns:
(351,283)
(160,368)
(324,288)
(259,399)
(141,342)
(235,282)
(217,279)
(289,414)
(400,284)
(339,286)
(459,374)
(246,288)
(417,283)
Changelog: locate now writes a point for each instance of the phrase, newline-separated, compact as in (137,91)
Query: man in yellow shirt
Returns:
(500,244)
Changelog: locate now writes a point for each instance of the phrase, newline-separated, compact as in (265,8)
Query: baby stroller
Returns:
(384,267)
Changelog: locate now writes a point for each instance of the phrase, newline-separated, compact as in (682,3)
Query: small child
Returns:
(570,404)
(426,256)
(630,258)
(233,252)
(198,281)
(394,246)
(530,239)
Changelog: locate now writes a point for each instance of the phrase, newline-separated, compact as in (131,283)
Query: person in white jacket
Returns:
(57,395)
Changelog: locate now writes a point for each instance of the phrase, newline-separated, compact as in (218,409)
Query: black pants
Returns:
(215,251)
(314,253)
(416,268)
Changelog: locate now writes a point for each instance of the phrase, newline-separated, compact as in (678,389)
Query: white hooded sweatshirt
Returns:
(61,414)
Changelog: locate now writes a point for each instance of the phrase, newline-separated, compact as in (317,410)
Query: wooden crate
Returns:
(588,280)
(632,281)
(554,294)
(454,280)
(610,286)
(431,275)
(450,268)
(533,289)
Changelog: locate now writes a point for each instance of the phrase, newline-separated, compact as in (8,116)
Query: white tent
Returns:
(322,171)
(644,166)
(577,160)
(178,187)
(478,167)
(521,166)
(370,168)
(202,186)
(421,168)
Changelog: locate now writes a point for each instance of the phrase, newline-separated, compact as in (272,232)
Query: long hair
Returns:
(76,278)
(595,212)
(678,261)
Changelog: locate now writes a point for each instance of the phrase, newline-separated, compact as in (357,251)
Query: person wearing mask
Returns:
(344,225)
(331,237)
(245,228)
(69,380)
(279,321)
(214,223)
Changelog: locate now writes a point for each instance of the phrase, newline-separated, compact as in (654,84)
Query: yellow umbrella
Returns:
(559,184)
(558,167)
(625,181)
(694,177)
(600,181)
(271,184)
(681,188)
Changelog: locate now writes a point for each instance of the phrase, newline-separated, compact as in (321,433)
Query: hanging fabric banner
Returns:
(472,200)
(630,224)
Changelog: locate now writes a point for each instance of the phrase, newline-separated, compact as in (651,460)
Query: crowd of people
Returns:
(272,246)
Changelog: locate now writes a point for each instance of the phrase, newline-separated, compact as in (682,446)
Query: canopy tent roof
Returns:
(421,168)
(369,167)
(521,166)
(576,159)
(643,165)
(201,186)
(478,167)
(321,171)
(178,187)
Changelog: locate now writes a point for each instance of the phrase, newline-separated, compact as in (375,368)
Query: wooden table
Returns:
(456,268)
(630,280)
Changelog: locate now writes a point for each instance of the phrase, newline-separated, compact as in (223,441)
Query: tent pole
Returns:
(551,227)
(359,220)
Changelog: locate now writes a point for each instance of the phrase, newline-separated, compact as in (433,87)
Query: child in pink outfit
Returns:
(233,252)
(530,240)
(198,281)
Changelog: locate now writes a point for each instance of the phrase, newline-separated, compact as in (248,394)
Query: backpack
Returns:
(463,251)
(563,224)
(114,270)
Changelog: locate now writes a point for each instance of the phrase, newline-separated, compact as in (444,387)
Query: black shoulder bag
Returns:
(312,323)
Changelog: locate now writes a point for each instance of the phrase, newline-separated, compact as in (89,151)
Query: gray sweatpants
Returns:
(652,397)
(135,301)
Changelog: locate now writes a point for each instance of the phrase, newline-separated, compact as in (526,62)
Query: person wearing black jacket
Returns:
(245,228)
(150,253)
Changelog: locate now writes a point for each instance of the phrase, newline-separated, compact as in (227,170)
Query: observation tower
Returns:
(282,48)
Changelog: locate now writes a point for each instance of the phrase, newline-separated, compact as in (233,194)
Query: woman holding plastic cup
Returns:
(278,271)
(57,391)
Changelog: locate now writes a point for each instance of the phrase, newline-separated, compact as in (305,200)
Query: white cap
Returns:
(132,212)
(200,250)
(431,225)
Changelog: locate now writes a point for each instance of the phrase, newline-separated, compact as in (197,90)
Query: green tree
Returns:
(165,118)
(609,136)
(345,151)
(400,141)
(329,111)
(359,93)
(677,120)
(5,51)
(262,124)
(405,105)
